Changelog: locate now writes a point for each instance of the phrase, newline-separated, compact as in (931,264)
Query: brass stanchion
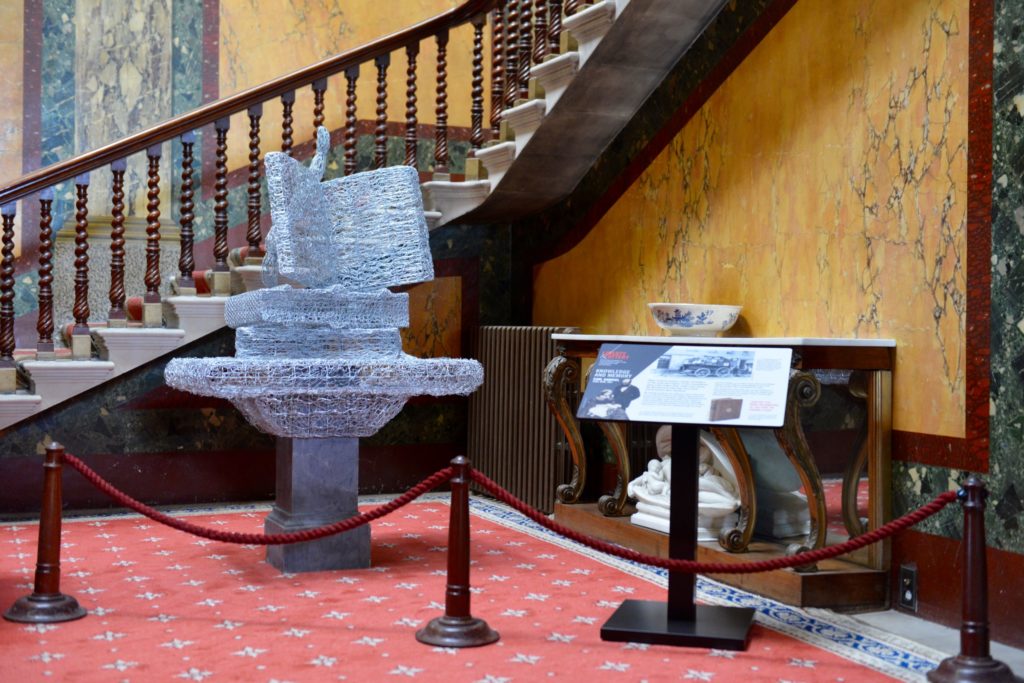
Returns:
(974,664)
(47,604)
(458,628)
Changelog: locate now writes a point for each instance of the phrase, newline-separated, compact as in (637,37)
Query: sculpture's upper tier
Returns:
(363,231)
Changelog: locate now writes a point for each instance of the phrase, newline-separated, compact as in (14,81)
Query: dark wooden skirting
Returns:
(182,478)
(939,577)
(936,450)
(838,584)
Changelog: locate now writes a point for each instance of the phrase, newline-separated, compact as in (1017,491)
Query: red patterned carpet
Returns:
(167,606)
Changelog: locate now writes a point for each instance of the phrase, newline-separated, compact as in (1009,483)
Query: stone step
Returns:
(497,159)
(524,120)
(555,75)
(589,26)
(453,199)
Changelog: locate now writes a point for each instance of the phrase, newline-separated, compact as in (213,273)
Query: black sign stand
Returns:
(681,621)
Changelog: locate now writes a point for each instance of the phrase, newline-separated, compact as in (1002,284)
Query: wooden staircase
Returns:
(565,78)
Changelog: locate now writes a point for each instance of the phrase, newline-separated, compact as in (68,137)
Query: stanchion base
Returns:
(646,621)
(457,632)
(45,609)
(962,669)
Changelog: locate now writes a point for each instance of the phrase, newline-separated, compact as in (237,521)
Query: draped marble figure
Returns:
(718,492)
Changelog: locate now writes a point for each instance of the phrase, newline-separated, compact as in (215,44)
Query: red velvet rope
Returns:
(694,567)
(441,476)
(431,482)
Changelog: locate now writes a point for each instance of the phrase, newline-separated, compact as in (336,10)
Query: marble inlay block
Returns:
(122,56)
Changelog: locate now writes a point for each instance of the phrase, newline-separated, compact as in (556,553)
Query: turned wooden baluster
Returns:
(572,6)
(497,68)
(441,110)
(476,138)
(287,103)
(186,259)
(319,88)
(44,320)
(117,316)
(152,313)
(380,138)
(540,31)
(554,26)
(511,53)
(525,48)
(351,76)
(221,271)
(411,52)
(81,343)
(8,376)
(253,235)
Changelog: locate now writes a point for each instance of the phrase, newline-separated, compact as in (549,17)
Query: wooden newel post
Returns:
(974,663)
(47,604)
(458,628)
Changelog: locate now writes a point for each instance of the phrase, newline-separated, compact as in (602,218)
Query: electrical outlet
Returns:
(907,598)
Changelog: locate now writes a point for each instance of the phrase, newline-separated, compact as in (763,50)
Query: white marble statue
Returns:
(717,497)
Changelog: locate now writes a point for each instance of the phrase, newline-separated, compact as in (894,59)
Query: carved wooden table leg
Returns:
(560,373)
(804,391)
(737,539)
(855,525)
(612,505)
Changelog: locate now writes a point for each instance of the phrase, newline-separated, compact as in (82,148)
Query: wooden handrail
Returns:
(209,113)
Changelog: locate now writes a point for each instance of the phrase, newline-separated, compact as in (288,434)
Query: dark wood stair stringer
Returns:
(640,49)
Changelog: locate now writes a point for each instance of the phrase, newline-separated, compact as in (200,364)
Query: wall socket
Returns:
(907,598)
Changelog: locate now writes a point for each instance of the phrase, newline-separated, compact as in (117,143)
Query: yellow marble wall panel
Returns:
(122,55)
(822,187)
(12,59)
(262,41)
(435,319)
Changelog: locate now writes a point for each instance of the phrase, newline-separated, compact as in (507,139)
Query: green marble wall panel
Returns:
(122,56)
(57,95)
(186,75)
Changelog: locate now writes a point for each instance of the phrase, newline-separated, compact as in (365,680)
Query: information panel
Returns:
(717,385)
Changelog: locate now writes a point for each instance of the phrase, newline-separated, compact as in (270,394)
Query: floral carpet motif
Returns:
(167,606)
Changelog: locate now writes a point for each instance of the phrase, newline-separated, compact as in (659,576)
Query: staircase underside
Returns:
(642,46)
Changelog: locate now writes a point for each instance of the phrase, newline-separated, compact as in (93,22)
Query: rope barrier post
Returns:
(47,604)
(974,663)
(458,628)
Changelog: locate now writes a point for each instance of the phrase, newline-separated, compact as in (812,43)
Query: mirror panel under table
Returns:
(818,480)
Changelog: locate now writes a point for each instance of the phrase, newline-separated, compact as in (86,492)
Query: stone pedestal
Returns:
(317,484)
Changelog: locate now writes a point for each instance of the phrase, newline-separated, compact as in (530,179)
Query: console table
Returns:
(863,366)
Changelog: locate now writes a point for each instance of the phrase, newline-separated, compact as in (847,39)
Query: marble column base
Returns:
(317,484)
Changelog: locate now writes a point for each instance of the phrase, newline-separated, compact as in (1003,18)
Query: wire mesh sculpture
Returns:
(320,355)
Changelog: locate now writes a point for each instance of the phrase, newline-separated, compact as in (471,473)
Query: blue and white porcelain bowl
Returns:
(694,320)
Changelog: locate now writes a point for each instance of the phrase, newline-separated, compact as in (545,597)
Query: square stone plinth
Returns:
(317,484)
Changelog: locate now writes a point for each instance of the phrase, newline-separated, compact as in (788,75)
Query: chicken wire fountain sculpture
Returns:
(319,359)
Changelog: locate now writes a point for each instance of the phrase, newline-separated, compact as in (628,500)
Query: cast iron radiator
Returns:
(513,438)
